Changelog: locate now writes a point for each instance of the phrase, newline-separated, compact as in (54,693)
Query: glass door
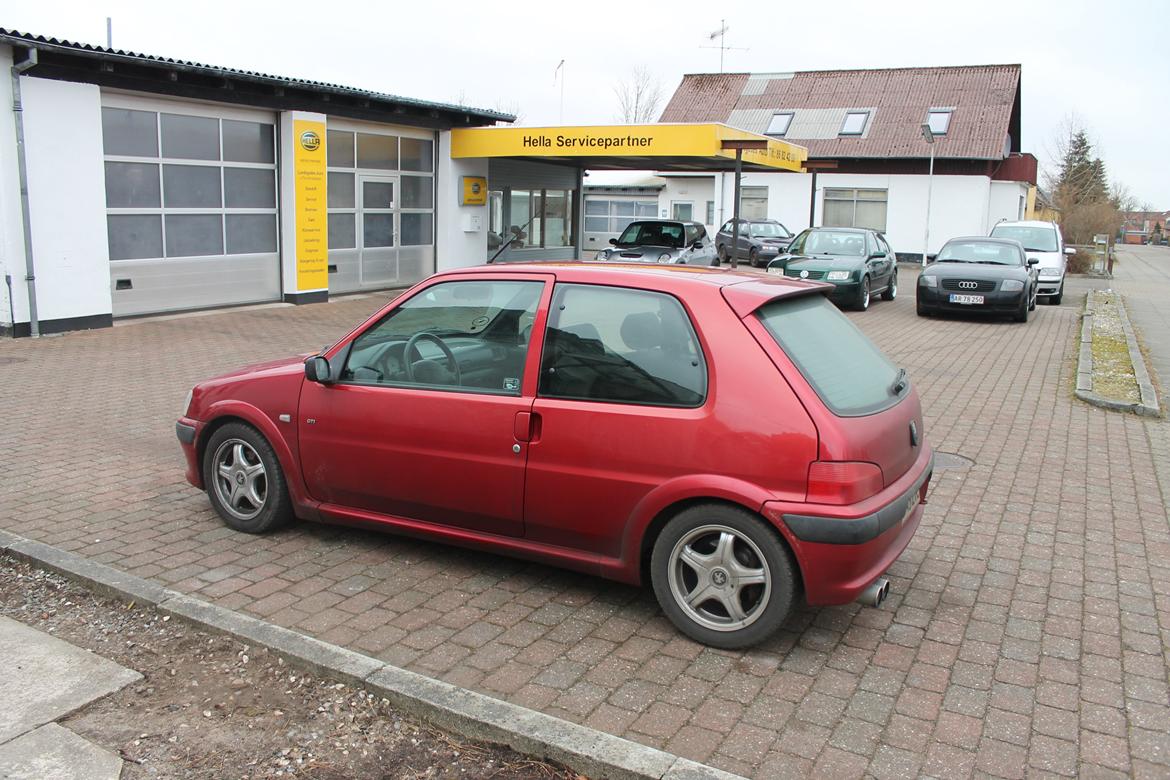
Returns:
(378,204)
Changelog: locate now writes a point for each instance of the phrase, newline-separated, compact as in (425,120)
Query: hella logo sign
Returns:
(310,141)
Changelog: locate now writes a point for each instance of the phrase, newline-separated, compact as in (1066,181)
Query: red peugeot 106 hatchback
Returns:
(729,437)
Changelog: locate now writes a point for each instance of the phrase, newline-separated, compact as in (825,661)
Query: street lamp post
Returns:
(929,136)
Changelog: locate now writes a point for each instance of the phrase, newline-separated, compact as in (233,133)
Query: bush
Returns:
(1082,262)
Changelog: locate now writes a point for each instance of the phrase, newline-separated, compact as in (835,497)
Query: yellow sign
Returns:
(474,191)
(662,140)
(310,183)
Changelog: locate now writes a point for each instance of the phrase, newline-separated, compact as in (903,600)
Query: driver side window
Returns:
(460,335)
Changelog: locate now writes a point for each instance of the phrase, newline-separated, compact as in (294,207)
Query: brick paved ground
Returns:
(1026,634)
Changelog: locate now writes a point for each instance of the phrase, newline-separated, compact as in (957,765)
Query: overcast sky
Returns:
(1106,63)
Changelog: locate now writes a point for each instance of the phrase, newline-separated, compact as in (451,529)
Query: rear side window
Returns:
(622,346)
(846,369)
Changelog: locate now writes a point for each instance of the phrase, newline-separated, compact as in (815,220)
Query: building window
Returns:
(854,123)
(535,218)
(778,126)
(181,185)
(710,212)
(753,202)
(855,208)
(682,209)
(352,155)
(605,215)
(939,120)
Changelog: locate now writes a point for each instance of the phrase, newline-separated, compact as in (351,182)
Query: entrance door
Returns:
(378,233)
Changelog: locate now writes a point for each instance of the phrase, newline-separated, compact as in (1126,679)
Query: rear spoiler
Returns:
(748,296)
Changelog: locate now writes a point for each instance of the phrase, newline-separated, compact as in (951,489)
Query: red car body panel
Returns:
(580,484)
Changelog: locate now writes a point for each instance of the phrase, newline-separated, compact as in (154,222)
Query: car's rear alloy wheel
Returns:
(892,290)
(722,576)
(244,480)
(863,295)
(722,253)
(753,257)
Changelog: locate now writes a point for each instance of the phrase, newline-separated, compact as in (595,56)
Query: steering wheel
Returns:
(412,344)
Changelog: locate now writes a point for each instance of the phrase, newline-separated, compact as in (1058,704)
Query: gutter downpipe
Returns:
(29,266)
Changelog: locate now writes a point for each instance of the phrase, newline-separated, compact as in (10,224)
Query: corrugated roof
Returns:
(15,37)
(983,98)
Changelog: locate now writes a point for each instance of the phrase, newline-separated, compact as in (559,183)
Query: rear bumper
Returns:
(187,431)
(996,300)
(839,556)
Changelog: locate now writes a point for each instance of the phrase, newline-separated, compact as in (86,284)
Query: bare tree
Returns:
(639,97)
(507,106)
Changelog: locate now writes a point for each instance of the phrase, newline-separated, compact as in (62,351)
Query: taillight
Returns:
(843,482)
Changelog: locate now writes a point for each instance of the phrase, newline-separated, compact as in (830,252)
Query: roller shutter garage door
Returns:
(191,205)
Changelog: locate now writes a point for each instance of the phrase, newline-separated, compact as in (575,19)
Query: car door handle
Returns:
(527,427)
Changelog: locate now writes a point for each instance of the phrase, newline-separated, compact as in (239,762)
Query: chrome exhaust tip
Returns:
(875,594)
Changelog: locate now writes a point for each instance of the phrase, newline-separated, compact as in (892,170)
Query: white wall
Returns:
(1004,202)
(455,245)
(696,190)
(11,230)
(67,197)
(960,205)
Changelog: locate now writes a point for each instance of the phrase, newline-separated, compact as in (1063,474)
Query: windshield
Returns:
(768,230)
(845,368)
(829,242)
(1034,239)
(985,252)
(668,234)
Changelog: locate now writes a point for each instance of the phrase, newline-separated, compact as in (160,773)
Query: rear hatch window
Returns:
(845,368)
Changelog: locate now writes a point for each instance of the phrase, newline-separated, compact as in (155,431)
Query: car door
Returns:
(891,259)
(621,387)
(875,266)
(401,434)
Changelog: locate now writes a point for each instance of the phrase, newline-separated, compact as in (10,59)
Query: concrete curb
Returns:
(474,715)
(1148,405)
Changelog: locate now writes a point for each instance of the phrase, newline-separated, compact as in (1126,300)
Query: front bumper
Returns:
(187,431)
(1046,287)
(994,301)
(840,556)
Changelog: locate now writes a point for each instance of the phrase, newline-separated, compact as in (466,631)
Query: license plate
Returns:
(914,499)
(955,298)
(777,271)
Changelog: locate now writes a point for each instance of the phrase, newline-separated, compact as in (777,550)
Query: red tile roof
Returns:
(985,99)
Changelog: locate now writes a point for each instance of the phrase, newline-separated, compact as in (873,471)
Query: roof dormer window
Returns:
(939,120)
(779,124)
(855,122)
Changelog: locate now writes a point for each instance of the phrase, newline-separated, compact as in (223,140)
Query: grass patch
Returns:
(1113,374)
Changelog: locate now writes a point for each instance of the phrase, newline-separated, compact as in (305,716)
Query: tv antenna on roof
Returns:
(721,34)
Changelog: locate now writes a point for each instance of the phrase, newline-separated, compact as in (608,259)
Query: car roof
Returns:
(745,290)
(663,222)
(843,229)
(985,240)
(1025,223)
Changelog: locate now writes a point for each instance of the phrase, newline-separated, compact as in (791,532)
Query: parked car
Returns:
(1043,241)
(567,413)
(979,274)
(760,241)
(662,241)
(857,261)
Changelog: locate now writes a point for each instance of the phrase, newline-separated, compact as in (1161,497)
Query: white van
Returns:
(1043,241)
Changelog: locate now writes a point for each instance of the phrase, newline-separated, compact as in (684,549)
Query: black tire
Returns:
(754,257)
(1022,314)
(722,252)
(230,459)
(757,552)
(863,296)
(1056,299)
(921,310)
(891,291)
(1033,302)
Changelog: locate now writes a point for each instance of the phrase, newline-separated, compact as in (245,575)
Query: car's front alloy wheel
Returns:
(723,576)
(863,295)
(244,480)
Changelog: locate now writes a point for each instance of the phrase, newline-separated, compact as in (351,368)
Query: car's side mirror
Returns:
(613,241)
(317,370)
(1033,261)
(1070,251)
(878,255)
(697,246)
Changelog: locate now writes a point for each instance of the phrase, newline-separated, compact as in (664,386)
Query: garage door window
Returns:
(180,185)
